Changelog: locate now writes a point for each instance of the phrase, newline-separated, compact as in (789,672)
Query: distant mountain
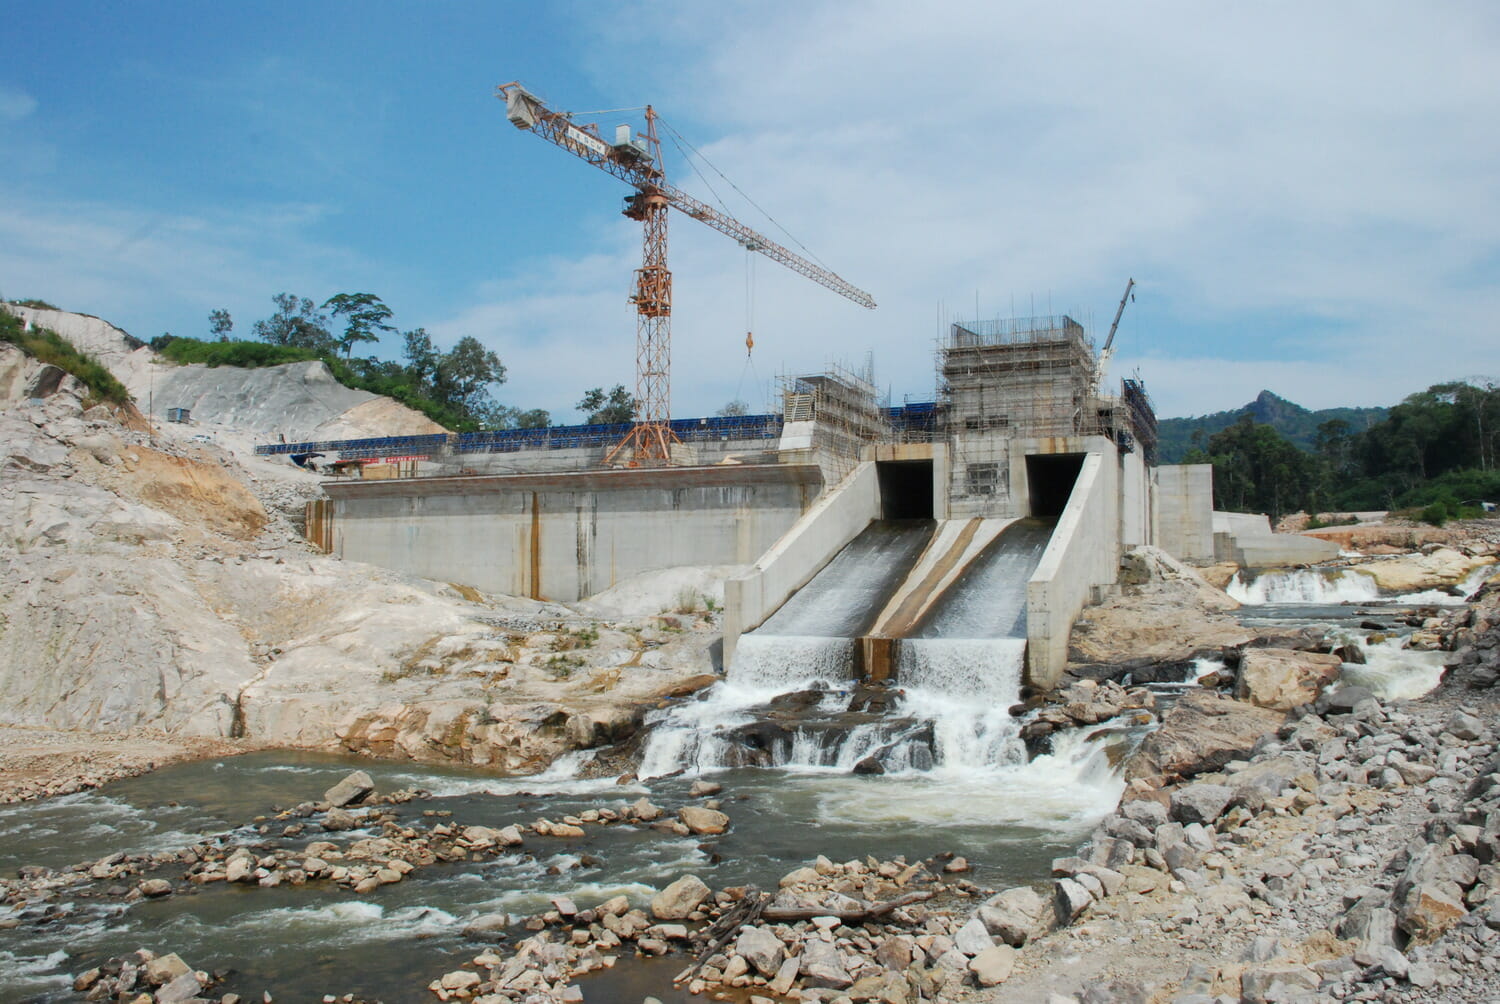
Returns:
(1293,421)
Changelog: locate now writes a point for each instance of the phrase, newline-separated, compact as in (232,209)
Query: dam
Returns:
(875,539)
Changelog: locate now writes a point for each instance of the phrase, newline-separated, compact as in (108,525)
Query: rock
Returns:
(179,990)
(701,789)
(822,966)
(973,938)
(1284,678)
(339,820)
(679,899)
(1344,700)
(703,821)
(643,810)
(1268,984)
(1430,908)
(870,765)
(166,968)
(486,924)
(993,965)
(786,975)
(1200,803)
(350,791)
(240,869)
(1202,732)
(153,888)
(762,949)
(1146,811)
(1462,726)
(1015,915)
(1416,572)
(460,980)
(1069,899)
(1114,992)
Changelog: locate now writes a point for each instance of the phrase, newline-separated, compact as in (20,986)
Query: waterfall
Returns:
(785,703)
(1304,586)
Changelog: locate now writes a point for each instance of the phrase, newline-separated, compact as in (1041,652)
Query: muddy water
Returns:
(302,942)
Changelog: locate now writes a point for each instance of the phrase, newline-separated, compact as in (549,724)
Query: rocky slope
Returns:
(297,402)
(149,581)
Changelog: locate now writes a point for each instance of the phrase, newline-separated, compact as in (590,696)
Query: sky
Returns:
(1307,195)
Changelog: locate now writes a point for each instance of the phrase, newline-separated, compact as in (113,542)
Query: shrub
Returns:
(47,346)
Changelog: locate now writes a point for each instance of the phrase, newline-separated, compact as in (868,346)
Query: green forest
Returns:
(1434,453)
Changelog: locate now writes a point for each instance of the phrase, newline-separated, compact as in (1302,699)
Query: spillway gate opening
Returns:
(905,489)
(1050,478)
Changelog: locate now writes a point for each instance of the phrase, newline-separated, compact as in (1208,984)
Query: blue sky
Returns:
(1307,195)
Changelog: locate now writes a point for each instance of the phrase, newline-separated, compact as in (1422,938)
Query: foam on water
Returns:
(1393,672)
(767,661)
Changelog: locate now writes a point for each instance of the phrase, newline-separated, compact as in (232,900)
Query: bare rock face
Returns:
(1414,572)
(1203,732)
(1281,678)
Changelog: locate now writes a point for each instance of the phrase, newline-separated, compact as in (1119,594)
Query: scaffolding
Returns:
(1026,377)
(841,409)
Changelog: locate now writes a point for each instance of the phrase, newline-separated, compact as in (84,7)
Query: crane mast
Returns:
(636,160)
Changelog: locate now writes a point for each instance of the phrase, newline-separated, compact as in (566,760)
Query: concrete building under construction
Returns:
(1019,429)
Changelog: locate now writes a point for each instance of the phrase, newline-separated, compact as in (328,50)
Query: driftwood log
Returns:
(746,911)
(875,911)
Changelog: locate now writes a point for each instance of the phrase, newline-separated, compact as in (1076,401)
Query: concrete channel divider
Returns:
(1081,558)
(821,533)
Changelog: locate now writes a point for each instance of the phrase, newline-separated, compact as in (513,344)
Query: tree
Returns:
(535,418)
(219,324)
(298,322)
(366,315)
(612,409)
(733,409)
(464,374)
(421,357)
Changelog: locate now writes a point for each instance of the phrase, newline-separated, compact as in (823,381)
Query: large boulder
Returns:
(762,949)
(1200,803)
(822,966)
(679,899)
(1414,572)
(1281,678)
(1202,733)
(350,791)
(703,821)
(1016,915)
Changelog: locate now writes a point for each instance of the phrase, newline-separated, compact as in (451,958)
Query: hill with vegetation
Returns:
(1437,453)
(1296,424)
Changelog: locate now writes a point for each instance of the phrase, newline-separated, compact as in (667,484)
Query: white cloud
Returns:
(1314,183)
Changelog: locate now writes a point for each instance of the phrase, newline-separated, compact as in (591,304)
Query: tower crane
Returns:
(636,160)
(1107,353)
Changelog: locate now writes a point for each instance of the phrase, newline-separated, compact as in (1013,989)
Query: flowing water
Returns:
(783,733)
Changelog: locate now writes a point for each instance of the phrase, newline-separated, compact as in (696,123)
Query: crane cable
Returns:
(737,189)
(749,366)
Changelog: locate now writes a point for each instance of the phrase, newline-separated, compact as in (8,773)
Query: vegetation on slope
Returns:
(452,387)
(1437,451)
(1298,425)
(48,346)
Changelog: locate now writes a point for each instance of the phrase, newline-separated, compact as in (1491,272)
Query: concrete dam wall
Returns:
(567,536)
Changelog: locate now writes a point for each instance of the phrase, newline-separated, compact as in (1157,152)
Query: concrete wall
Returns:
(807,546)
(567,536)
(1248,540)
(1136,524)
(1184,511)
(1082,558)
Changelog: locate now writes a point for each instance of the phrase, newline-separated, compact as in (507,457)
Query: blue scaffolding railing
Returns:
(557,437)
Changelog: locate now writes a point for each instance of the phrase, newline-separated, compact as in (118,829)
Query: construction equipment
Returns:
(1107,353)
(636,159)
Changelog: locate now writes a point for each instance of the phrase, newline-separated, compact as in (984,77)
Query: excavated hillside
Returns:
(152,581)
(296,402)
